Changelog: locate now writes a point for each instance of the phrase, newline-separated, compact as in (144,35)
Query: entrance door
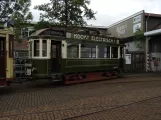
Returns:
(2,58)
(56,56)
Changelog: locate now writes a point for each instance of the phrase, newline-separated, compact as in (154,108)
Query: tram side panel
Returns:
(6,57)
(88,65)
(9,59)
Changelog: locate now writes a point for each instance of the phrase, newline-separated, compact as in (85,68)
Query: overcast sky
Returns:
(111,11)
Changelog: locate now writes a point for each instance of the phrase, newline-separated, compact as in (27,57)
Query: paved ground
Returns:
(136,97)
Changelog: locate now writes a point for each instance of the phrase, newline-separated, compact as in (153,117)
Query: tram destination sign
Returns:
(92,38)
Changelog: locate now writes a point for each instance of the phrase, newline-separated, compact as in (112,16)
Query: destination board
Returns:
(92,38)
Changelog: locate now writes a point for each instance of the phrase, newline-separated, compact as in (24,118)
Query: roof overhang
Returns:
(152,33)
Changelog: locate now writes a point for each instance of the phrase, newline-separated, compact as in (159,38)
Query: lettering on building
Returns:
(94,38)
(121,30)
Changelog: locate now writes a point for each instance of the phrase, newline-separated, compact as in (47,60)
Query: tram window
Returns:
(36,48)
(11,37)
(88,51)
(72,50)
(103,52)
(53,51)
(100,51)
(108,52)
(114,52)
(1,48)
(44,48)
(121,52)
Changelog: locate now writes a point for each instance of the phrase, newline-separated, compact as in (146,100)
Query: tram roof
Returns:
(61,32)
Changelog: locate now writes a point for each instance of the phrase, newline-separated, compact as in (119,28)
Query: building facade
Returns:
(127,27)
(148,23)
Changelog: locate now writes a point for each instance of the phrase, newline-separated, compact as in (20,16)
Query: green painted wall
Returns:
(75,65)
(85,65)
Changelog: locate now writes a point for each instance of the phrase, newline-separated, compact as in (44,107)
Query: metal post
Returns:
(110,53)
(79,56)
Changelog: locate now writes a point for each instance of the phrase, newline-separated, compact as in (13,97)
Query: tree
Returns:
(18,11)
(66,12)
(139,38)
(7,8)
(43,24)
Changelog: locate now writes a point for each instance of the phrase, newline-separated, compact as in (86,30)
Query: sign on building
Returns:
(128,58)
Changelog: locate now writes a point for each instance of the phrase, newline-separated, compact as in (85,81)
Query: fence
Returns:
(19,62)
(137,62)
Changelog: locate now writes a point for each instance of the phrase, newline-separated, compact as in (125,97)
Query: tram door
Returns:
(55,56)
(2,57)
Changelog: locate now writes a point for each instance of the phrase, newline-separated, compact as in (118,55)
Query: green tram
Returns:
(75,57)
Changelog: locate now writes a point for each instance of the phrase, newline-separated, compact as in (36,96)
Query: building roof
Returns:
(152,15)
(153,32)
(98,27)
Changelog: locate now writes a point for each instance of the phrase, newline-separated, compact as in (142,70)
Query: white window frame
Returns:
(96,46)
(96,51)
(118,51)
(79,50)
(80,56)
(64,48)
(40,49)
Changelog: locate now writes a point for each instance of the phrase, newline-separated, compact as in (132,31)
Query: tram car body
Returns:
(6,56)
(73,57)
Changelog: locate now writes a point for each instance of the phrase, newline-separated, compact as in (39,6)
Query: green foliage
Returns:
(66,12)
(139,38)
(43,24)
(18,11)
(7,8)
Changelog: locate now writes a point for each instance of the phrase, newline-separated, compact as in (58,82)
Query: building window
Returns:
(88,51)
(11,54)
(114,52)
(36,48)
(26,32)
(72,50)
(44,48)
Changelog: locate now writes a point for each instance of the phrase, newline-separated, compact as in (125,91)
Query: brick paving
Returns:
(43,101)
